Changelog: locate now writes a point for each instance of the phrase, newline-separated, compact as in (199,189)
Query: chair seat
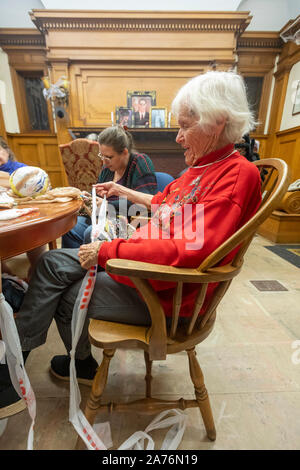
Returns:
(109,335)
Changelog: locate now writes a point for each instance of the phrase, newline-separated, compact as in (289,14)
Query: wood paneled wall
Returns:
(97,90)
(41,151)
(284,144)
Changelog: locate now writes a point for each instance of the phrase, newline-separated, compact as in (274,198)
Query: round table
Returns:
(33,230)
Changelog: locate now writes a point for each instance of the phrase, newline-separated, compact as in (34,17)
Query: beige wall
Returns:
(8,104)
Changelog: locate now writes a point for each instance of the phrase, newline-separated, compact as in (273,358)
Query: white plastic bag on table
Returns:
(91,435)
(15,363)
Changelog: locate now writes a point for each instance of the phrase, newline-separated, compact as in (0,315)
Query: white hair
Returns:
(214,96)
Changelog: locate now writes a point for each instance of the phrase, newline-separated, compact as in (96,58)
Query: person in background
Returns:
(213,115)
(123,165)
(8,164)
(246,148)
(8,161)
(93,136)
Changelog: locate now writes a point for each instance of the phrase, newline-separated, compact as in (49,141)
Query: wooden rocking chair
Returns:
(156,341)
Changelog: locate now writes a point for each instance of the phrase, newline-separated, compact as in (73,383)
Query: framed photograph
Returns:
(296,106)
(158,117)
(141,103)
(124,116)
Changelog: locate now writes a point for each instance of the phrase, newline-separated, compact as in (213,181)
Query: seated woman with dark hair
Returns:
(123,165)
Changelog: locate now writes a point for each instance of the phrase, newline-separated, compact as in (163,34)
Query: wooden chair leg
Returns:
(201,394)
(98,386)
(148,376)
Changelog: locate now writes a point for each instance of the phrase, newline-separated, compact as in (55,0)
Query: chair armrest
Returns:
(160,272)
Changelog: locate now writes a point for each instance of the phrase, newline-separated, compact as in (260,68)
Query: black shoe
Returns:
(85,369)
(10,402)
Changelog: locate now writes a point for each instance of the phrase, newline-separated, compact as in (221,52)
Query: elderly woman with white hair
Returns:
(218,194)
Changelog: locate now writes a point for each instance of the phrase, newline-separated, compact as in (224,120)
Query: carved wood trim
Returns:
(260,40)
(46,20)
(291,30)
(18,37)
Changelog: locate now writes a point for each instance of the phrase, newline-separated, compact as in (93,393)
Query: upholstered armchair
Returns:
(82,163)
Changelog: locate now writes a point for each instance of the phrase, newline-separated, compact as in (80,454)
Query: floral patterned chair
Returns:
(82,163)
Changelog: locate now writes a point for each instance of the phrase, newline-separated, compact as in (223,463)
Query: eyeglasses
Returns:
(103,157)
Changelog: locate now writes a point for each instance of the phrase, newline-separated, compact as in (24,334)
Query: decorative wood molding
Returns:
(291,31)
(15,38)
(260,40)
(46,20)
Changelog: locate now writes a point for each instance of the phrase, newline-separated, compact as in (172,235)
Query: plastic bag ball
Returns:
(29,181)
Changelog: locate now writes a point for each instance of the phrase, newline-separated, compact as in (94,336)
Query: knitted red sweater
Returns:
(196,214)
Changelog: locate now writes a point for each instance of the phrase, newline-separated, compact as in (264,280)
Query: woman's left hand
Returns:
(88,254)
(99,201)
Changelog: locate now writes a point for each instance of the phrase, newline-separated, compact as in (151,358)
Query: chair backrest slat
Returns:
(267,178)
(239,257)
(197,307)
(218,295)
(177,299)
(268,191)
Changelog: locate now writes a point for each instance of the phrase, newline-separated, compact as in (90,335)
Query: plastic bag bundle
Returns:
(173,436)
(15,363)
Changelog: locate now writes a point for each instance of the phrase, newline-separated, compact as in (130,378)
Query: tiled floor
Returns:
(251,365)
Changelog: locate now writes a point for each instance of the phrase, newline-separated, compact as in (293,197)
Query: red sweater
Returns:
(221,197)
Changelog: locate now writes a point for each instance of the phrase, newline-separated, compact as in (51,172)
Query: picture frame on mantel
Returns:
(296,105)
(158,117)
(141,102)
(124,116)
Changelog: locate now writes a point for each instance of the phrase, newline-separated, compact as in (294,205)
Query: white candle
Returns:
(169,119)
(112,117)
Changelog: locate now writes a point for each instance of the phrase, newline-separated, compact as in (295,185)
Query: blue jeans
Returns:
(79,234)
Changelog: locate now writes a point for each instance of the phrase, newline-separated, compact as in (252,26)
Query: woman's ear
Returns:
(219,126)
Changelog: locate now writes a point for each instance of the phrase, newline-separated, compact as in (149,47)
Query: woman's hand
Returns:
(109,189)
(88,254)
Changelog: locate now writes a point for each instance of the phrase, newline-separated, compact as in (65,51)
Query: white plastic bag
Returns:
(15,363)
(172,439)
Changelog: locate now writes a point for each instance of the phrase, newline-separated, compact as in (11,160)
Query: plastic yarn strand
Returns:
(15,363)
(76,417)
